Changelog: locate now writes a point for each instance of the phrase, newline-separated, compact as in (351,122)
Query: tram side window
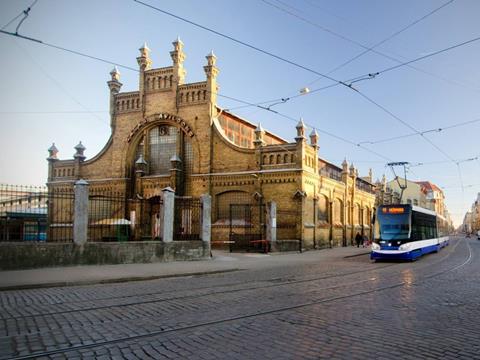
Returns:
(423,227)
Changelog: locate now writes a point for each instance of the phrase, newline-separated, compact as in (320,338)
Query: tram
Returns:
(406,232)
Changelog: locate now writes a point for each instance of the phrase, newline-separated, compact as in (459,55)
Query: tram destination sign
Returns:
(393,210)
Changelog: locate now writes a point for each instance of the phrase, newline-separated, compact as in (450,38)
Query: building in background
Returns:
(413,194)
(435,198)
(23,213)
(418,193)
(385,195)
(170,133)
(467,225)
(471,220)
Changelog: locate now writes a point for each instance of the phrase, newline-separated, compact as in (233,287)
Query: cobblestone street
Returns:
(336,308)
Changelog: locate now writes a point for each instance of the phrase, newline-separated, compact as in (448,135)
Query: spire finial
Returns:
(211,58)
(80,149)
(115,73)
(144,47)
(300,131)
(52,153)
(300,124)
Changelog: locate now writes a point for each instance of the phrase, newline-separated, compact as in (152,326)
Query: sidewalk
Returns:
(222,261)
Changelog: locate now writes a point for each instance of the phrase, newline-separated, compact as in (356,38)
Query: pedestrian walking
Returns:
(358,239)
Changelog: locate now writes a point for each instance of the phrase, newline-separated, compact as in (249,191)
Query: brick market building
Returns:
(171,133)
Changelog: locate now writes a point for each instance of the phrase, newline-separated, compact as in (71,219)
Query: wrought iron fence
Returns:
(248,227)
(60,212)
(146,216)
(37,214)
(187,222)
(107,217)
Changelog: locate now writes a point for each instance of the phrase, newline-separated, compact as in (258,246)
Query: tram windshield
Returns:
(393,223)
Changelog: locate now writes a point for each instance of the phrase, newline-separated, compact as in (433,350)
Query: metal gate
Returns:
(188,214)
(248,228)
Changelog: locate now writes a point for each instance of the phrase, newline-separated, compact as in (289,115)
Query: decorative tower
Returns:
(345,171)
(144,64)
(176,175)
(79,152)
(258,144)
(314,139)
(178,57)
(300,131)
(52,153)
(300,139)
(259,134)
(211,71)
(52,157)
(114,85)
(140,166)
(79,158)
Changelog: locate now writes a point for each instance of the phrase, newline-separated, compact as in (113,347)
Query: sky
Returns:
(49,95)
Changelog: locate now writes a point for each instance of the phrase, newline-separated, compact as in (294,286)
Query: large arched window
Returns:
(159,144)
(163,145)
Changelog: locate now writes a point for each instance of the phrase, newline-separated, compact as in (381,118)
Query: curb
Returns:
(111,281)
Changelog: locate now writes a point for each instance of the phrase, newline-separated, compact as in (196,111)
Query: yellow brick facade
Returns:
(218,154)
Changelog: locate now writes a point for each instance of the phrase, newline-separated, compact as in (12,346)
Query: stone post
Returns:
(206,232)
(168,214)
(272,224)
(206,200)
(80,214)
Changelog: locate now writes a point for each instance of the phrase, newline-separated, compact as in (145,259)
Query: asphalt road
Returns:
(336,308)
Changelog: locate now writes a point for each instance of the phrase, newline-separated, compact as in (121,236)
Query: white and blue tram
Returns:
(406,232)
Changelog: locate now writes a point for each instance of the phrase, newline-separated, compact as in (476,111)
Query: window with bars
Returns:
(159,144)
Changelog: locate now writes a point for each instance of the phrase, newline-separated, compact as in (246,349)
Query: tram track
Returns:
(199,288)
(262,285)
(255,314)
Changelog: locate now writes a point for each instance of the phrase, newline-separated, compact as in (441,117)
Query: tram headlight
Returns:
(404,247)
(375,246)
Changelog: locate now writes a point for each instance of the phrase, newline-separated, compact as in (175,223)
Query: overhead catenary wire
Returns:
(68,50)
(350,40)
(60,86)
(290,118)
(434,53)
(228,97)
(243,43)
(25,15)
(337,82)
(370,48)
(434,130)
(391,36)
(220,95)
